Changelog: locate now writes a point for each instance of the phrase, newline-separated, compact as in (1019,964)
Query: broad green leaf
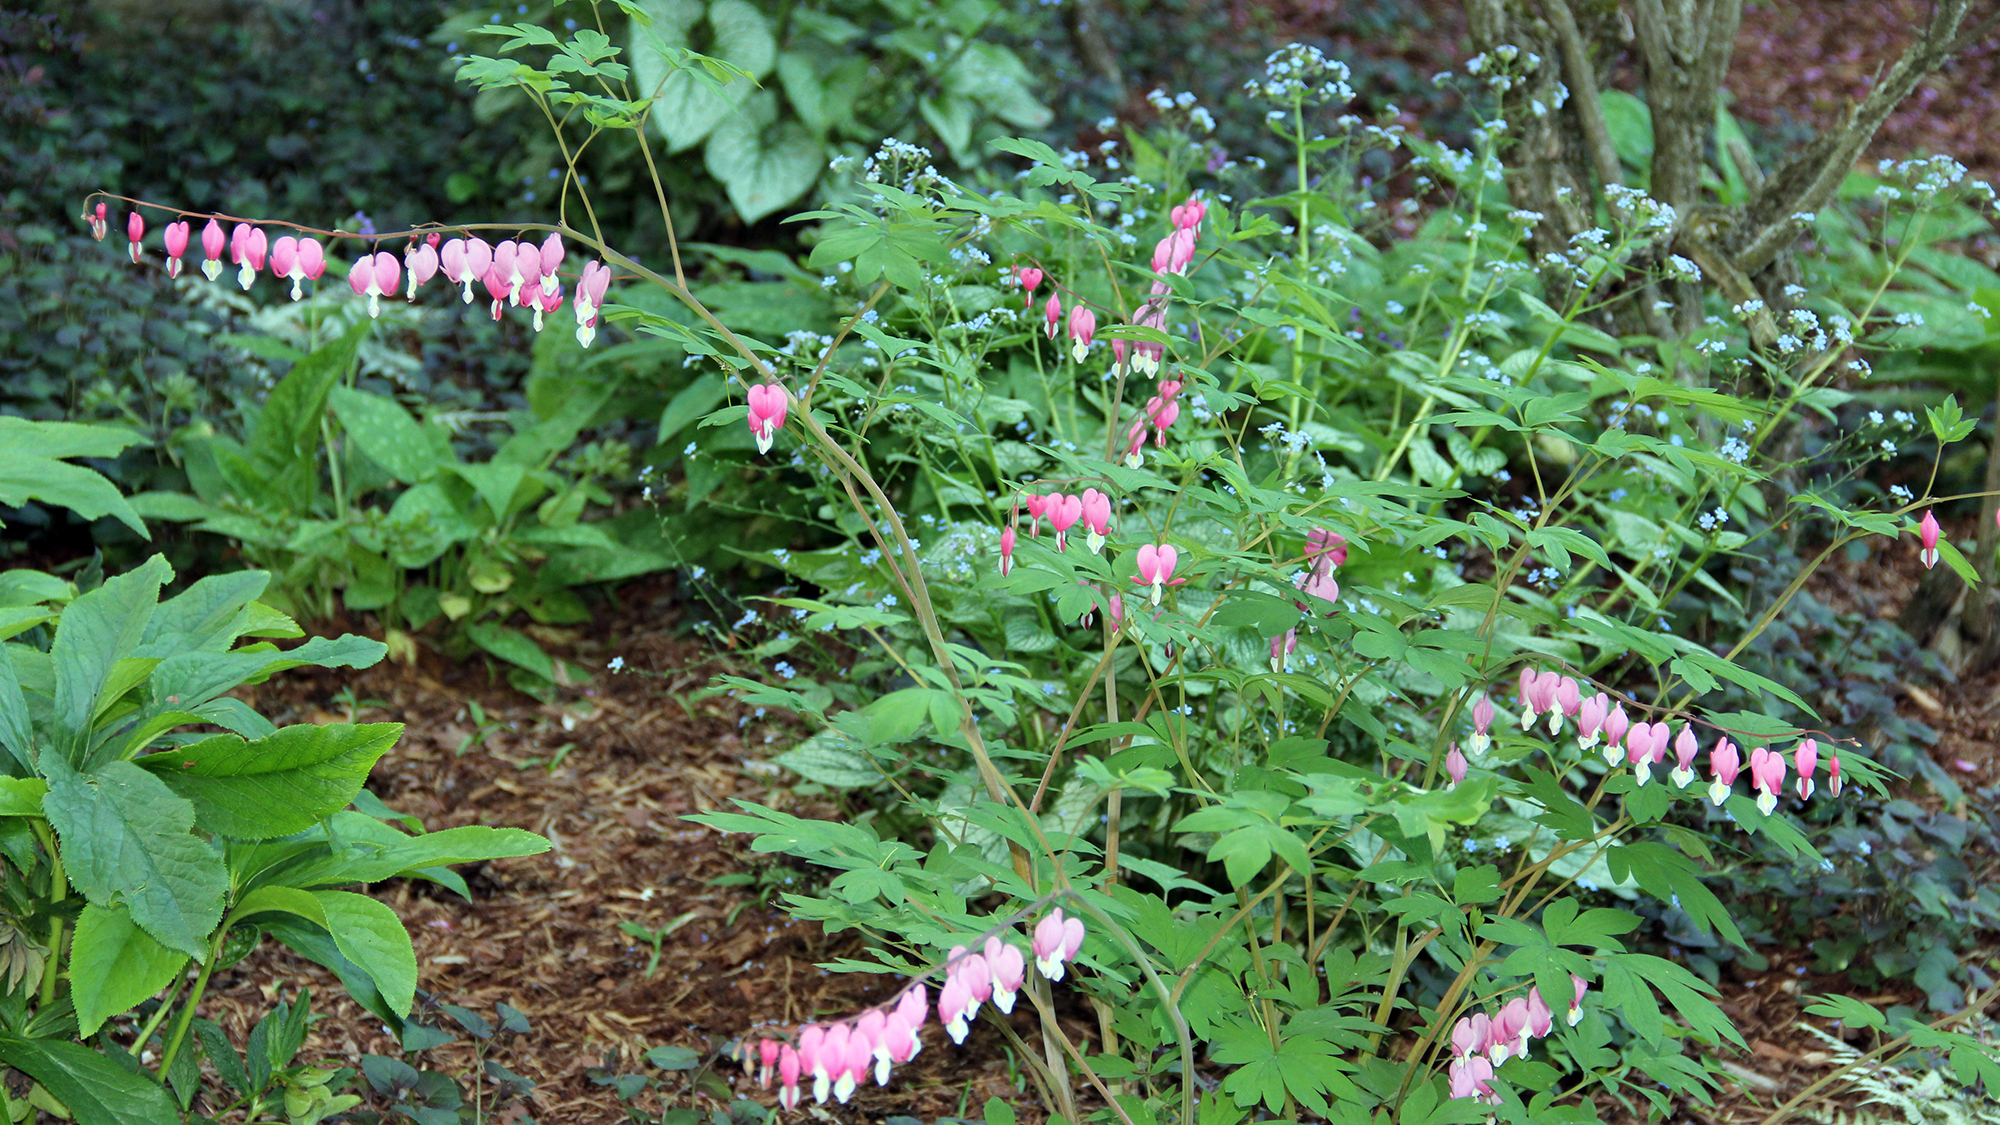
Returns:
(98,630)
(277,785)
(386,433)
(287,429)
(827,759)
(95,1089)
(21,796)
(763,162)
(512,646)
(365,931)
(24,476)
(126,837)
(206,617)
(689,103)
(372,851)
(114,965)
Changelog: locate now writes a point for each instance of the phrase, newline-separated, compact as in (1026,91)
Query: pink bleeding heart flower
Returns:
(211,249)
(1282,647)
(1009,969)
(1030,277)
(284,262)
(1482,725)
(177,244)
(767,1061)
(953,1003)
(312,259)
(1927,531)
(247,247)
(551,259)
(465,262)
(374,277)
(1174,253)
(1188,216)
(1163,410)
(1767,775)
(1096,518)
(1806,760)
(1056,941)
(1156,569)
(1723,765)
(1052,312)
(1576,1002)
(1063,512)
(1833,775)
(420,262)
(516,261)
(1685,749)
(100,222)
(1321,545)
(788,1076)
(1037,503)
(1473,1078)
(1117,351)
(1541,1020)
(1548,691)
(1318,584)
(1615,726)
(812,1057)
(590,291)
(496,288)
(135,230)
(1645,743)
(1467,1037)
(1590,720)
(1569,702)
(1135,440)
(1531,698)
(1510,1030)
(871,1044)
(1006,550)
(1082,327)
(1146,356)
(767,414)
(1454,767)
(550,300)
(834,1063)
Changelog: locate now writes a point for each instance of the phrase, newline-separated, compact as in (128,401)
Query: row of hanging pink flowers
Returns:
(834,1059)
(516,274)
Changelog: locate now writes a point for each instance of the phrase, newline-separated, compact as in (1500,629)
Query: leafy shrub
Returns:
(180,845)
(1325,498)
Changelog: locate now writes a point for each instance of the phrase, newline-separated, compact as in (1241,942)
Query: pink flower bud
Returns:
(788,1076)
(1052,312)
(1576,1004)
(135,230)
(1454,766)
(1833,775)
(1006,550)
(1927,532)
(100,222)
(1806,759)
(1685,749)
(1615,726)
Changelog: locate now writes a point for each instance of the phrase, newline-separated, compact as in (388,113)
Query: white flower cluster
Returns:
(1299,73)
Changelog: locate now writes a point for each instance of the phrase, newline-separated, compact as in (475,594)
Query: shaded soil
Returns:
(543,933)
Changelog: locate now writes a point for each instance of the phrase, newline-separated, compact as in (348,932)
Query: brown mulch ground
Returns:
(542,933)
